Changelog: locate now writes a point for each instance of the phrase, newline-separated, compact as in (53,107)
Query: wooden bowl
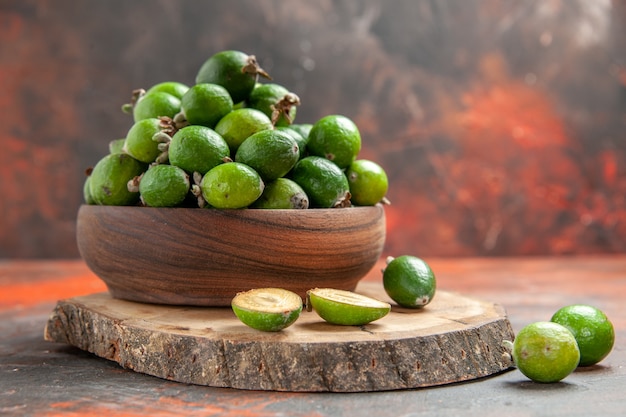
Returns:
(204,257)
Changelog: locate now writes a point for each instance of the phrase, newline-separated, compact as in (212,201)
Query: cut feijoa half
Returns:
(345,307)
(267,309)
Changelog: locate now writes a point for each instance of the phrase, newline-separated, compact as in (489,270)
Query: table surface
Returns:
(48,379)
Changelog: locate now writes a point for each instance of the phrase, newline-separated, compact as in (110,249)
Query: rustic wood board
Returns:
(453,339)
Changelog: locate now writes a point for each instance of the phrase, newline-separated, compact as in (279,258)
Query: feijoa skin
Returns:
(409,281)
(335,137)
(545,351)
(591,328)
(302,128)
(240,124)
(300,140)
(205,104)
(234,70)
(164,186)
(282,193)
(108,182)
(345,308)
(271,153)
(232,185)
(197,149)
(156,104)
(174,88)
(87,197)
(117,145)
(368,182)
(139,140)
(323,181)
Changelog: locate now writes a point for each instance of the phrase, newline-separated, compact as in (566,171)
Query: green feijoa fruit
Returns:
(300,140)
(278,103)
(205,104)
(271,153)
(117,145)
(409,281)
(592,329)
(282,193)
(323,181)
(267,309)
(346,308)
(108,182)
(163,186)
(231,186)
(302,128)
(545,351)
(336,138)
(139,141)
(197,149)
(156,104)
(236,71)
(174,88)
(239,124)
(368,182)
(87,192)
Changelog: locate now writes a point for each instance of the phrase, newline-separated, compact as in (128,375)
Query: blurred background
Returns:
(501,123)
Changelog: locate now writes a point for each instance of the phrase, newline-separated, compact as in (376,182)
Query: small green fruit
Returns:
(108,182)
(267,309)
(164,186)
(345,307)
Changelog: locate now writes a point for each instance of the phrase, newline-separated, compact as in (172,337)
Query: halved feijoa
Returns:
(345,307)
(267,309)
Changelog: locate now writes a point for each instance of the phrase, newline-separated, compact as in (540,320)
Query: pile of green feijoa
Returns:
(231,140)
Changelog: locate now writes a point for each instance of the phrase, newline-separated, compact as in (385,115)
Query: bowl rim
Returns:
(246,212)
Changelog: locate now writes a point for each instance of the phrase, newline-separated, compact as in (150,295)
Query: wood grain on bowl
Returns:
(191,256)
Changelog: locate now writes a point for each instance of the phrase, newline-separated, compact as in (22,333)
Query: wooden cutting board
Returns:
(453,339)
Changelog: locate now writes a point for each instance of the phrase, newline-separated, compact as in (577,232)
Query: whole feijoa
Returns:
(205,104)
(592,329)
(409,281)
(156,104)
(197,149)
(108,182)
(368,182)
(163,186)
(323,181)
(140,143)
(545,351)
(234,70)
(271,153)
(175,88)
(335,137)
(240,124)
(231,185)
(282,193)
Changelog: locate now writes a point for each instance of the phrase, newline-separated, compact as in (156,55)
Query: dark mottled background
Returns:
(501,123)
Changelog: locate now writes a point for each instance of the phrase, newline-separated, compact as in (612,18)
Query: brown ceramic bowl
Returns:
(204,257)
